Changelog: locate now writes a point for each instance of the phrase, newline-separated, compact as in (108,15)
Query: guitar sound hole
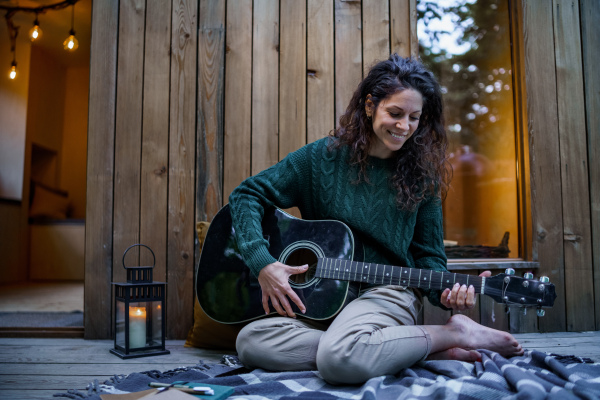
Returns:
(300,257)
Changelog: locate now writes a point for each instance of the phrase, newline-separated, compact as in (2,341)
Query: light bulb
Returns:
(13,71)
(71,43)
(35,32)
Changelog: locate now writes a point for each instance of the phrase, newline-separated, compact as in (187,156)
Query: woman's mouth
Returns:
(395,136)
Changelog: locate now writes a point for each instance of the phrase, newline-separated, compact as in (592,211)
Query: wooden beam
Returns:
(375,33)
(238,96)
(100,167)
(348,53)
(590,36)
(182,145)
(542,113)
(128,135)
(155,137)
(573,167)
(211,73)
(292,69)
(320,70)
(265,85)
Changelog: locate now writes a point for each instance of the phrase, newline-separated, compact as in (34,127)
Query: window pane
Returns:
(466,43)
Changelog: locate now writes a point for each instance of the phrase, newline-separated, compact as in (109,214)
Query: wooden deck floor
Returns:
(38,368)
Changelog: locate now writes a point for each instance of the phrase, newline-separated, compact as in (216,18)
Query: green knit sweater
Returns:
(322,184)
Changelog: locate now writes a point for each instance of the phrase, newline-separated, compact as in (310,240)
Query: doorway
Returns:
(41,289)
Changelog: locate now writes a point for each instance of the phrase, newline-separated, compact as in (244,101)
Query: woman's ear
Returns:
(369,106)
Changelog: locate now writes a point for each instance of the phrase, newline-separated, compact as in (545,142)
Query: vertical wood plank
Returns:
(546,195)
(100,167)
(574,167)
(348,53)
(155,137)
(238,95)
(182,132)
(412,19)
(320,68)
(128,134)
(211,69)
(400,27)
(590,35)
(292,67)
(265,85)
(375,33)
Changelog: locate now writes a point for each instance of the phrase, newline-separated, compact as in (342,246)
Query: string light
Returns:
(71,43)
(13,70)
(35,33)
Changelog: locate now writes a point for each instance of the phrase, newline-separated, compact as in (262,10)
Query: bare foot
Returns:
(477,336)
(456,353)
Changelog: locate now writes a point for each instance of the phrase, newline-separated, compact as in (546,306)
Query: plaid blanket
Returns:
(534,375)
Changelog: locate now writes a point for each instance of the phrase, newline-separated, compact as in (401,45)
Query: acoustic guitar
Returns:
(229,293)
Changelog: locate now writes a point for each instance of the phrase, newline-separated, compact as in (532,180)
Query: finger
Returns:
(471,299)
(286,305)
(265,303)
(277,306)
(294,297)
(486,274)
(298,270)
(461,297)
(454,294)
(444,298)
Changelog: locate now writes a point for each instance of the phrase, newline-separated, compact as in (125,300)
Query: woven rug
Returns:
(40,319)
(535,375)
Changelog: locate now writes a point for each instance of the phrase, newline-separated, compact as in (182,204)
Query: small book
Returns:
(220,392)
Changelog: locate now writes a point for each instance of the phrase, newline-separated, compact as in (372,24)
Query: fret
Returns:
(375,277)
(409,275)
(430,275)
(419,281)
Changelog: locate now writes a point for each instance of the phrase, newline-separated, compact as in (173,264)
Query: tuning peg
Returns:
(540,312)
(544,279)
(528,275)
(509,271)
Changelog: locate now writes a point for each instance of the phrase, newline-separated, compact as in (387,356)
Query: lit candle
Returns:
(137,327)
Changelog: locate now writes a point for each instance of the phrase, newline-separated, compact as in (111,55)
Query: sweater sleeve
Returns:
(427,246)
(280,185)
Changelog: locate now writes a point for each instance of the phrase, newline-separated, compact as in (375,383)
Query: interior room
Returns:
(44,109)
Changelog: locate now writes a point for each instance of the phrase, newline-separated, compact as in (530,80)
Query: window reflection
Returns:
(466,43)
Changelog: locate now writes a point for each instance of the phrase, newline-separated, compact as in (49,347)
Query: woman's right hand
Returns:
(273,280)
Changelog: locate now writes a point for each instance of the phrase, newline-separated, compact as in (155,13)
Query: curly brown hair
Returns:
(422,168)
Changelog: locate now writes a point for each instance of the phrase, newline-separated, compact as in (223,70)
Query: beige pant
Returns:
(374,335)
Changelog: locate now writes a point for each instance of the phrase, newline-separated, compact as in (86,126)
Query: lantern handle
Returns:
(139,244)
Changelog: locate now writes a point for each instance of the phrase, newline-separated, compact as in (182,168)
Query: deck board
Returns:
(38,368)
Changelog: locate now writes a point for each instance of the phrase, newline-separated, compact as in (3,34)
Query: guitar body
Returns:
(229,293)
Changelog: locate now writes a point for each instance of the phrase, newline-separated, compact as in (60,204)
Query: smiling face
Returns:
(395,120)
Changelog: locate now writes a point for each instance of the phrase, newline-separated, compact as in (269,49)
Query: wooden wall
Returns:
(189,97)
(561,51)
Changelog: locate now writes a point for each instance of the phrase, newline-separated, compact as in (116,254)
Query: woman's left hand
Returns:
(461,297)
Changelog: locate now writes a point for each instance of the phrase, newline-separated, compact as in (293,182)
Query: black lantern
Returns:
(139,313)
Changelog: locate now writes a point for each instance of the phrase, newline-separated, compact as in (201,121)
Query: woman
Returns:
(383,173)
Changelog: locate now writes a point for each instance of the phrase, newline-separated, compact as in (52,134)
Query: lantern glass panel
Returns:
(120,325)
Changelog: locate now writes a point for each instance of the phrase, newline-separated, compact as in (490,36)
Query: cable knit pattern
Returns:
(321,183)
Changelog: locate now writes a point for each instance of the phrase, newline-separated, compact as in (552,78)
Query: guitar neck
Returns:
(356,271)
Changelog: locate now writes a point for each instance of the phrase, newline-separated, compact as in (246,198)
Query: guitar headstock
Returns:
(519,291)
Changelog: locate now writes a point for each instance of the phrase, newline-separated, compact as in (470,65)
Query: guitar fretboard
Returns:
(356,271)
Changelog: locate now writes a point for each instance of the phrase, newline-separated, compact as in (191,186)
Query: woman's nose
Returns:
(402,123)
